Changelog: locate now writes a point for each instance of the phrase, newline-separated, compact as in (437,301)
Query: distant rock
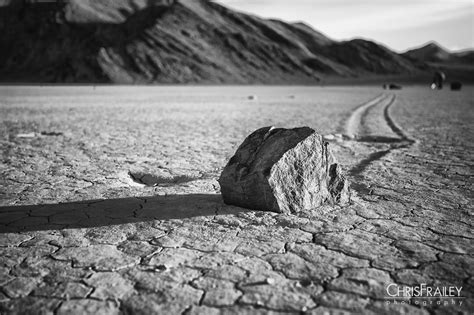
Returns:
(456,86)
(438,79)
(283,170)
(392,86)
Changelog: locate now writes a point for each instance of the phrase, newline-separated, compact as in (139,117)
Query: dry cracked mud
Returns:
(110,202)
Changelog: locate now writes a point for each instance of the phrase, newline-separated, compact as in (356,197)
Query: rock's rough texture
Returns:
(283,170)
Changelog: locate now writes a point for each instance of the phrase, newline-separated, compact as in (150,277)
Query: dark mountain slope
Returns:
(368,57)
(185,41)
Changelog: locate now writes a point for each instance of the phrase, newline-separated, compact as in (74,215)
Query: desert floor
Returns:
(109,201)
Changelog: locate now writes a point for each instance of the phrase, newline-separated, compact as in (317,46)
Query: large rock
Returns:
(283,170)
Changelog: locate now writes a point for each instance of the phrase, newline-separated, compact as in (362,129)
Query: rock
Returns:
(283,170)
(456,86)
(270,281)
(26,135)
(392,86)
(438,80)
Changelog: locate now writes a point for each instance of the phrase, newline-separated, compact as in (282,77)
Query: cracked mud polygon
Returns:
(110,202)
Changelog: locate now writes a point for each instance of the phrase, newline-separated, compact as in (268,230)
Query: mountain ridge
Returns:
(434,52)
(181,41)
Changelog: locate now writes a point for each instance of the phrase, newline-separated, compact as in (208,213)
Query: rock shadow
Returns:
(95,213)
(356,172)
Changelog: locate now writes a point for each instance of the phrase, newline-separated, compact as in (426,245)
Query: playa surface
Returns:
(109,201)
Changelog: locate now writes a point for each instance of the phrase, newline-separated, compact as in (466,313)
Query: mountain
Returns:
(465,57)
(433,52)
(176,41)
(457,65)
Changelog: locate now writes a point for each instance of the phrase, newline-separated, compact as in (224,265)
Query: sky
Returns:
(398,24)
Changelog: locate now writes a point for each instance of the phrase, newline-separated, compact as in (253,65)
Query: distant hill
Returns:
(182,41)
(457,65)
(465,57)
(433,52)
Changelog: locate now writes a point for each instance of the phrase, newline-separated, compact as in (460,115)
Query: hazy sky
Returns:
(399,24)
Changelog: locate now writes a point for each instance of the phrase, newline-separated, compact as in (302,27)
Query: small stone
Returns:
(26,135)
(283,170)
(270,281)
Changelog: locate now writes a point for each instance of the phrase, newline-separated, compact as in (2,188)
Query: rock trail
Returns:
(372,123)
